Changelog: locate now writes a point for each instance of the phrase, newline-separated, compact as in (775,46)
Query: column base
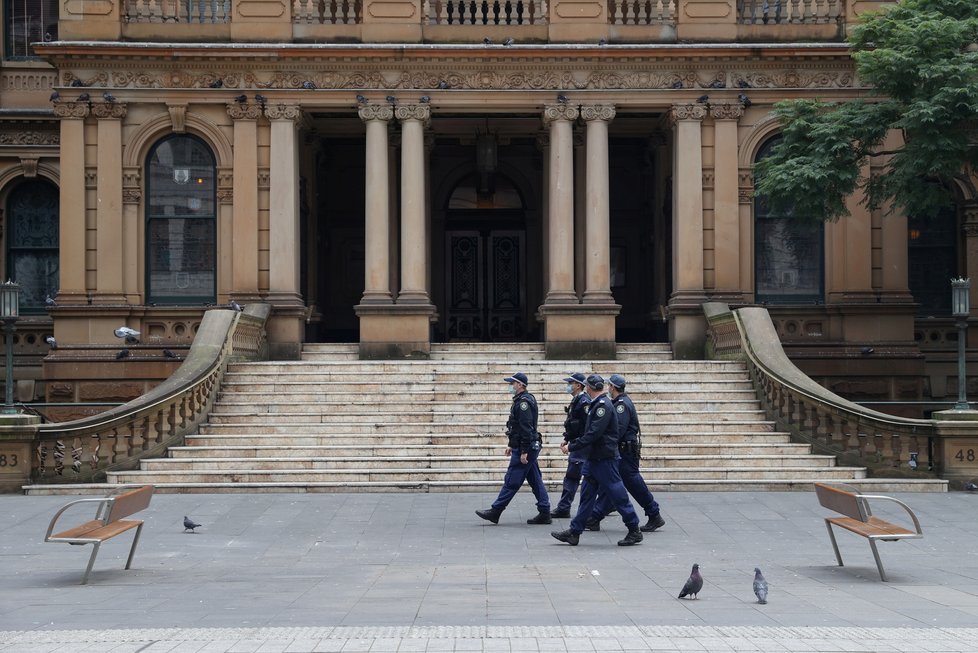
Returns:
(379,298)
(17,431)
(687,324)
(396,330)
(601,297)
(579,331)
(286,327)
(561,297)
(414,297)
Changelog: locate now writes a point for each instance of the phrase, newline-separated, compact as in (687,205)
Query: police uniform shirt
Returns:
(522,424)
(600,436)
(576,416)
(627,418)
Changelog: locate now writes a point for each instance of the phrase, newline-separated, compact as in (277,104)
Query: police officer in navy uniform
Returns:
(600,441)
(630,446)
(573,428)
(523,448)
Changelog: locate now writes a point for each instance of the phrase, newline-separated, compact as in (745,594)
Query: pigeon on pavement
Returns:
(760,586)
(693,584)
(189,525)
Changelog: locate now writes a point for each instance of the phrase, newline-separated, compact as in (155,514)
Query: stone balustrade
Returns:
(795,12)
(483,12)
(83,450)
(201,12)
(642,12)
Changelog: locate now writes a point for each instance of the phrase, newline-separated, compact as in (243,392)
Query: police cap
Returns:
(595,382)
(617,380)
(576,377)
(519,377)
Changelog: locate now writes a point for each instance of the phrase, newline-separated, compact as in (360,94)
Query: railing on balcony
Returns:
(485,12)
(641,12)
(201,12)
(327,12)
(790,12)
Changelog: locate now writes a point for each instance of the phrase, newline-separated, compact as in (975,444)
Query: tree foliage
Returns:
(921,59)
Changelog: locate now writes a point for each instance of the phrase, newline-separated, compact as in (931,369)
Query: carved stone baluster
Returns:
(76,455)
(137,439)
(921,445)
(852,442)
(618,12)
(796,12)
(96,460)
(119,445)
(59,457)
(886,447)
(832,14)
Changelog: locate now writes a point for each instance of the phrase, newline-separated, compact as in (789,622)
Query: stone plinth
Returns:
(957,444)
(17,433)
(395,331)
(579,331)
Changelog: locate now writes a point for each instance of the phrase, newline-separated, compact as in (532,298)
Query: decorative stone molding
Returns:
(130,178)
(238,111)
(264,178)
(178,117)
(376,112)
(419,112)
(553,112)
(687,112)
(745,187)
(970,229)
(970,213)
(29,164)
(727,111)
(225,196)
(131,195)
(708,178)
(605,112)
(745,195)
(283,112)
(109,111)
(91,178)
(71,110)
(69,78)
(30,138)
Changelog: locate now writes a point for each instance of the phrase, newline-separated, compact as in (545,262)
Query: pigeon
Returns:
(55,96)
(126,332)
(309,86)
(391,99)
(602,41)
(241,99)
(442,84)
(84,97)
(361,99)
(122,354)
(425,99)
(743,83)
(677,84)
(717,83)
(760,586)
(487,41)
(108,97)
(866,351)
(217,83)
(49,300)
(76,83)
(169,354)
(703,99)
(235,306)
(51,342)
(912,463)
(563,99)
(970,487)
(693,584)
(744,100)
(260,99)
(509,41)
(190,525)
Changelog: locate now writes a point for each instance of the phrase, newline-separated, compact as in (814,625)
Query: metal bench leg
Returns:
(135,541)
(835,545)
(91,562)
(876,554)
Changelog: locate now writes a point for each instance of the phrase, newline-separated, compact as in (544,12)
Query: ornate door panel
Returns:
(464,286)
(505,298)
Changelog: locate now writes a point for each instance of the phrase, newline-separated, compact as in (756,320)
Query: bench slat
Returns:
(94,530)
(875,527)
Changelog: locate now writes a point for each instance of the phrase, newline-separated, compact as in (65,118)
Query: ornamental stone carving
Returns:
(283,112)
(131,195)
(225,196)
(680,112)
(29,138)
(75,110)
(605,112)
(178,117)
(109,111)
(554,112)
(376,112)
(237,111)
(727,111)
(29,165)
(970,229)
(420,112)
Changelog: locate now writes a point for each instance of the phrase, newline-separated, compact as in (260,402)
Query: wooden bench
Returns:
(109,521)
(859,519)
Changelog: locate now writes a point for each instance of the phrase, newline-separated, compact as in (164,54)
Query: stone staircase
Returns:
(332,423)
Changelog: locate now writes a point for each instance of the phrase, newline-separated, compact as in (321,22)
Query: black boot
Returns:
(570,536)
(490,515)
(655,523)
(593,525)
(560,514)
(634,537)
(541,518)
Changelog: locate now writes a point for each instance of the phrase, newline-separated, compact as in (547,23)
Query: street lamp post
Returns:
(9,312)
(961,309)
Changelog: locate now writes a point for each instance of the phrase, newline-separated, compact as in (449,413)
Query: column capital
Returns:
(680,112)
(381,112)
(557,112)
(603,112)
(727,111)
(109,111)
(419,112)
(970,213)
(71,110)
(238,111)
(291,112)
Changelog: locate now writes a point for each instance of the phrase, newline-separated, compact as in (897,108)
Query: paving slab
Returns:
(420,572)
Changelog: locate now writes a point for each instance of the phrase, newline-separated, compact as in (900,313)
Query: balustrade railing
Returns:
(485,12)
(327,12)
(799,405)
(641,12)
(794,12)
(84,450)
(177,11)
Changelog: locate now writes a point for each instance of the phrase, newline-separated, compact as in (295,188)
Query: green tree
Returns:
(920,57)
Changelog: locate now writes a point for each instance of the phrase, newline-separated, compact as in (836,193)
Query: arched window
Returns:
(32,242)
(789,255)
(932,255)
(181,241)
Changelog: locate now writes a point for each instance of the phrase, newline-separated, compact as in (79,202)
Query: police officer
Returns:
(573,427)
(600,441)
(630,446)
(523,448)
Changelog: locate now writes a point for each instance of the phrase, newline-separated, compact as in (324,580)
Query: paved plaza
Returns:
(420,572)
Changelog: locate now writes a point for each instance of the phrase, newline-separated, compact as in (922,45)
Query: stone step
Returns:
(489,370)
(300,393)
(464,474)
(287,384)
(331,424)
(447,413)
(290,437)
(866,485)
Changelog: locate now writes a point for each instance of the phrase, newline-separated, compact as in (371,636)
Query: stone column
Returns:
(244,243)
(376,289)
(72,283)
(969,229)
(108,205)
(414,119)
(598,245)
(132,195)
(559,118)
(687,327)
(745,199)
(580,211)
(543,144)
(726,207)
(283,220)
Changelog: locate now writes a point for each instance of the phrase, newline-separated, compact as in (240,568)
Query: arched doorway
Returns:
(485,264)
(32,242)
